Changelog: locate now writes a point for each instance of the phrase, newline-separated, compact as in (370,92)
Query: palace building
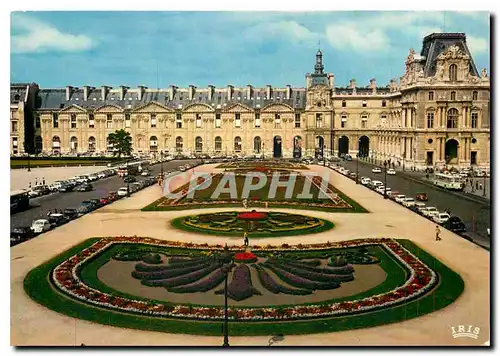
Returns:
(437,114)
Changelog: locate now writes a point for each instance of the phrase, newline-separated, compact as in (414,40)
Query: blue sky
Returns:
(55,49)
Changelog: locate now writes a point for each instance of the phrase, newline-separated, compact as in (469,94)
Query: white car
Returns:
(365,180)
(376,183)
(376,170)
(40,225)
(408,202)
(418,206)
(399,198)
(430,211)
(101,175)
(145,173)
(441,218)
(391,172)
(122,191)
(380,189)
(93,177)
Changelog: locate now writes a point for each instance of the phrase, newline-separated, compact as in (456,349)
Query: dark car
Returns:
(57,220)
(421,197)
(455,224)
(65,188)
(88,204)
(20,234)
(129,179)
(84,188)
(70,213)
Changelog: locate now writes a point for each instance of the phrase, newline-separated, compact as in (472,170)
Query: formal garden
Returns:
(178,287)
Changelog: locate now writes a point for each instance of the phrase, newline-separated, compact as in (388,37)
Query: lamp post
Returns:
(29,166)
(385,179)
(128,180)
(161,164)
(484,184)
(357,168)
(226,264)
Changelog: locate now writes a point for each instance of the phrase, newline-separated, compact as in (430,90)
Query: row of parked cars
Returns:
(78,183)
(416,204)
(57,217)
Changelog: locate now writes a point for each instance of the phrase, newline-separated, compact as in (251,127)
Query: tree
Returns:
(122,143)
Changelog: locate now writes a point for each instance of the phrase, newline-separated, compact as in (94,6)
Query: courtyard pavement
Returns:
(35,325)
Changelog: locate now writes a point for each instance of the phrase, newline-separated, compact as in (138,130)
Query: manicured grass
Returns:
(449,288)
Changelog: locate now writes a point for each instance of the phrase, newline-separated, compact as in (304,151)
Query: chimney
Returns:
(229,91)
(86,92)
(352,84)
(393,85)
(249,91)
(211,90)
(171,91)
(191,92)
(69,89)
(373,85)
(268,91)
(331,80)
(140,91)
(104,92)
(123,89)
(288,91)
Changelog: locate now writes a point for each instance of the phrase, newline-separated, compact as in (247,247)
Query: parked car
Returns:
(391,172)
(122,191)
(145,173)
(101,175)
(399,198)
(129,179)
(65,188)
(430,212)
(365,180)
(417,207)
(352,175)
(393,194)
(348,157)
(421,197)
(21,234)
(85,187)
(408,202)
(56,220)
(441,218)
(41,225)
(112,196)
(70,213)
(455,224)
(376,183)
(380,189)
(376,170)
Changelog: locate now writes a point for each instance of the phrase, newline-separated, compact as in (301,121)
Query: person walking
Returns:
(29,186)
(245,239)
(438,231)
(43,180)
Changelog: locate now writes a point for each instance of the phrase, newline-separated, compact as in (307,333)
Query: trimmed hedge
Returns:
(298,281)
(315,276)
(152,258)
(168,272)
(181,279)
(202,285)
(272,286)
(241,287)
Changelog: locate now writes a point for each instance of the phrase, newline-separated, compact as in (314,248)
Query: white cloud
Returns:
(38,36)
(290,29)
(477,45)
(350,37)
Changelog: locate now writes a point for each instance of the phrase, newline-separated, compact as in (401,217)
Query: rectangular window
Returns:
(384,103)
(55,121)
(430,120)
(297,120)
(198,121)
(277,121)
(344,104)
(153,121)
(342,124)
(37,121)
(14,126)
(217,121)
(14,142)
(474,120)
(127,120)
(73,121)
(474,95)
(109,121)
(237,120)
(257,120)
(178,121)
(364,104)
(364,119)
(319,121)
(91,121)
(363,124)
(431,95)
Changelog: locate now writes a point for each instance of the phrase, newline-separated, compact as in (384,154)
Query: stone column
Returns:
(409,118)
(403,112)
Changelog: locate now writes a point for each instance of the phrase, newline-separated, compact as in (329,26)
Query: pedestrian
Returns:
(477,185)
(480,186)
(245,239)
(30,185)
(43,180)
(266,204)
(438,231)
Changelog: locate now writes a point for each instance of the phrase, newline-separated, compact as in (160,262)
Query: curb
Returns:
(475,199)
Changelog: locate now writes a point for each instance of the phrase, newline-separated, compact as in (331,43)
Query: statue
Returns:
(411,56)
(440,71)
(484,73)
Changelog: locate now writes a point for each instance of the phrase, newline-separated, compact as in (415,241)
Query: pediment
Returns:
(277,107)
(238,108)
(152,106)
(73,108)
(109,108)
(198,107)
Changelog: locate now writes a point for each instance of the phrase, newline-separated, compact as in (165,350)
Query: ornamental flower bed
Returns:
(245,257)
(252,215)
(421,280)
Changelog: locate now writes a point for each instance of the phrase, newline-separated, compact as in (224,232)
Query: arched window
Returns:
(453,96)
(218,144)
(198,144)
(452,122)
(178,144)
(56,144)
(237,144)
(91,144)
(73,144)
(257,144)
(153,144)
(453,72)
(474,95)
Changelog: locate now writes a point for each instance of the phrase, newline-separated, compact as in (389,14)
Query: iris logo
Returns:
(462,331)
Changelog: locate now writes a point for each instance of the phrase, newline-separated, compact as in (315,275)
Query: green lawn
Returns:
(449,288)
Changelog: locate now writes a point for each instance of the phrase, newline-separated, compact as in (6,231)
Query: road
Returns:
(102,187)
(475,216)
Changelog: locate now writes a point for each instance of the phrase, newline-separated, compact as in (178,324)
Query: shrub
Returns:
(203,285)
(167,272)
(298,281)
(240,287)
(154,259)
(180,280)
(272,286)
(316,276)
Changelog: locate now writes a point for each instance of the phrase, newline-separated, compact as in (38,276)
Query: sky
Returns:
(158,49)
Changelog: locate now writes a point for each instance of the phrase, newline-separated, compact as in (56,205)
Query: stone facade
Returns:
(437,114)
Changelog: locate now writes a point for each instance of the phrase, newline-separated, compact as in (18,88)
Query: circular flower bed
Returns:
(245,257)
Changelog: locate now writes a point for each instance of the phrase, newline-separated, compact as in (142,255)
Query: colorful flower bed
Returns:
(245,257)
(421,280)
(252,215)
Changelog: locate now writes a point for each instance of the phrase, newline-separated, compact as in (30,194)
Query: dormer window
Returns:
(453,96)
(453,72)
(344,104)
(474,95)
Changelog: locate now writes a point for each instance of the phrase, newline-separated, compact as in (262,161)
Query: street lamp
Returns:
(385,179)
(29,166)
(484,184)
(128,180)
(161,163)
(226,264)
(357,168)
